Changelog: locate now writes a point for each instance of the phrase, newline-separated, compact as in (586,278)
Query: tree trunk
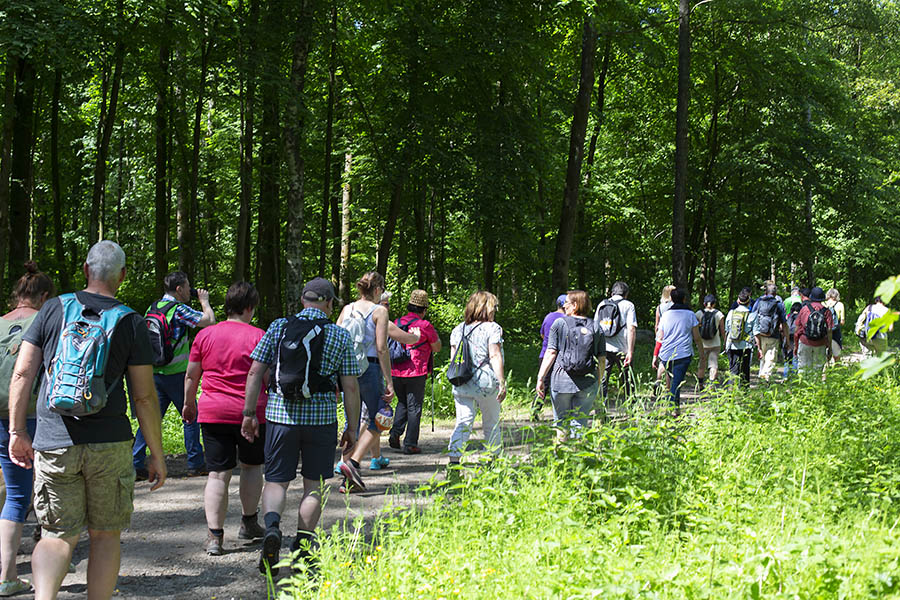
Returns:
(345,231)
(62,272)
(679,274)
(293,132)
(735,236)
(329,126)
(432,254)
(565,237)
(390,225)
(196,142)
(107,122)
(248,98)
(161,162)
(421,240)
(22,166)
(489,261)
(6,135)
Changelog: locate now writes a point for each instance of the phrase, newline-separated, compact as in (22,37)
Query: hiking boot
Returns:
(394,442)
(270,549)
(353,478)
(412,450)
(141,474)
(214,544)
(379,463)
(250,530)
(306,562)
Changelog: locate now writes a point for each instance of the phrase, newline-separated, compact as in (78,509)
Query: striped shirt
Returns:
(337,359)
(184,317)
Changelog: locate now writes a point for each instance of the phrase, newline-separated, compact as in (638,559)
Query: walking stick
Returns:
(432,402)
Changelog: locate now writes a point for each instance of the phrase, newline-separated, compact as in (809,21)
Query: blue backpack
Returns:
(75,380)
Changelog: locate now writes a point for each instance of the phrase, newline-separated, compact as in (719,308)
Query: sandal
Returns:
(10,588)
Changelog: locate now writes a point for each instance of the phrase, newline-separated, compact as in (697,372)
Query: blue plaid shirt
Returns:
(185,317)
(337,359)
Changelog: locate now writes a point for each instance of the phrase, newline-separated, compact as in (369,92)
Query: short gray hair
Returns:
(105,261)
(833,294)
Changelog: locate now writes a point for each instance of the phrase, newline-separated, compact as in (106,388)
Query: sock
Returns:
(217,532)
(305,542)
(250,518)
(700,381)
(353,462)
(272,519)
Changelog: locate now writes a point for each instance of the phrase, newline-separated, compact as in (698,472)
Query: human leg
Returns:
(746,355)
(712,363)
(173,387)
(768,347)
(19,485)
(701,364)
(465,417)
(678,370)
(103,563)
(562,409)
(50,563)
(611,360)
(490,423)
(215,498)
(400,411)
(250,488)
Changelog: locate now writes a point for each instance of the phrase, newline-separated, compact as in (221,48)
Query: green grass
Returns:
(782,493)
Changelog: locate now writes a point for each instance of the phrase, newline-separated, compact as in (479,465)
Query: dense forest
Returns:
(521,147)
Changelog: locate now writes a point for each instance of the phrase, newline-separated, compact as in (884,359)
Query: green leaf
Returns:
(888,288)
(874,365)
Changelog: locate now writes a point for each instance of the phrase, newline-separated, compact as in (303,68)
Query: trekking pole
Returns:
(432,402)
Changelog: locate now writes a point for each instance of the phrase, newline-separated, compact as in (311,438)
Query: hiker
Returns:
(409,375)
(738,332)
(665,303)
(839,316)
(82,464)
(168,374)
(878,344)
(787,347)
(220,356)
(617,319)
(678,331)
(769,327)
(712,332)
(576,353)
(537,404)
(301,413)
(376,387)
(794,298)
(487,385)
(29,294)
(813,337)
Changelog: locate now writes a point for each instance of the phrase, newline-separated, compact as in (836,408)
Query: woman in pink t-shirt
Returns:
(221,356)
(409,376)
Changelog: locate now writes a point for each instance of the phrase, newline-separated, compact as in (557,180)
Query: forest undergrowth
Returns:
(789,491)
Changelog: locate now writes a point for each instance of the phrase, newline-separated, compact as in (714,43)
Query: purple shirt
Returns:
(545,329)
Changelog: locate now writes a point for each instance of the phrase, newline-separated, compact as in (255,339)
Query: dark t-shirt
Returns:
(130,345)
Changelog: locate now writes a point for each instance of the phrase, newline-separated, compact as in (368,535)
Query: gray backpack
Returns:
(11,333)
(578,355)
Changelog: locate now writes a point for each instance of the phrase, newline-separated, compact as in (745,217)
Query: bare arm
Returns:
(436,346)
(695,332)
(380,316)
(546,364)
(24,373)
(209,315)
(397,334)
(496,357)
(632,335)
(191,383)
(146,408)
(255,378)
(350,385)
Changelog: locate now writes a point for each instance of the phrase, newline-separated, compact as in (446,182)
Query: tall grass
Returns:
(783,493)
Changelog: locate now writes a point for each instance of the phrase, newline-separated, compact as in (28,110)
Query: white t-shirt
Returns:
(619,342)
(676,334)
(716,340)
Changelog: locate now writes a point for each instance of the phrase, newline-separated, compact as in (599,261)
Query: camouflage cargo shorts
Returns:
(86,485)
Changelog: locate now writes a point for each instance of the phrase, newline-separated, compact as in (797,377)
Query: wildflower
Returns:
(370,559)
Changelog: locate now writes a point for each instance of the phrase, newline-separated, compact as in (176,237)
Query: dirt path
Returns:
(162,553)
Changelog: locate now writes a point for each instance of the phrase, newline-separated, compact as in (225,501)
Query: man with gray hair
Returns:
(82,464)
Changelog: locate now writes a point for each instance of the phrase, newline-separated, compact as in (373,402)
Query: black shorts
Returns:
(288,445)
(224,446)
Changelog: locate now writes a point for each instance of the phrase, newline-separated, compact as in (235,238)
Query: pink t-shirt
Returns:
(419,364)
(223,352)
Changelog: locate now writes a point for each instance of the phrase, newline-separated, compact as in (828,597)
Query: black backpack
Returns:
(577,357)
(817,324)
(768,316)
(792,323)
(461,368)
(298,359)
(708,325)
(609,318)
(159,324)
(401,353)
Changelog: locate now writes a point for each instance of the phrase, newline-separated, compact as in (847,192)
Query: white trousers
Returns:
(465,418)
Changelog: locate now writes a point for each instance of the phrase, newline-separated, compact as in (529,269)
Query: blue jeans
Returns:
(573,408)
(677,370)
(19,481)
(170,389)
(371,389)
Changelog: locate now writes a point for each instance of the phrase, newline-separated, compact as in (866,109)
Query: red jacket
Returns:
(803,318)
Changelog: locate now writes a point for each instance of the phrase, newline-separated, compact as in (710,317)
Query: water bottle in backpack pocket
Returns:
(76,383)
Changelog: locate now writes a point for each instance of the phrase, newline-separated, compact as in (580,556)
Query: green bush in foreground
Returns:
(783,493)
